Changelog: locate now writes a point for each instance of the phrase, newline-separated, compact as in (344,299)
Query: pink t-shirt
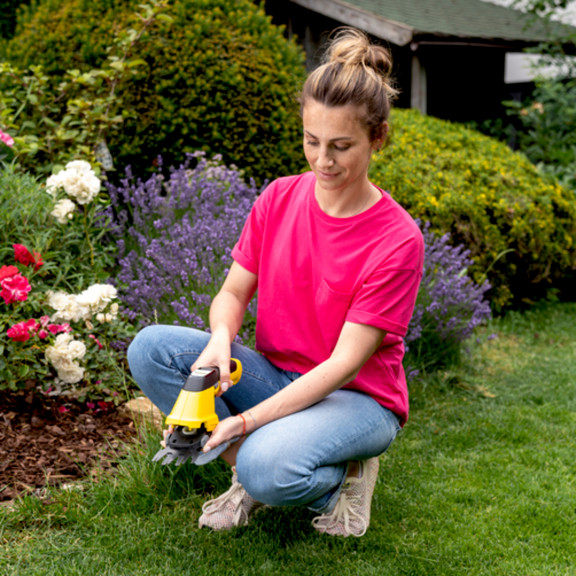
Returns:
(315,272)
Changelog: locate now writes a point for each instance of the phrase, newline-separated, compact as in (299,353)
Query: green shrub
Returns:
(67,250)
(221,78)
(54,120)
(520,229)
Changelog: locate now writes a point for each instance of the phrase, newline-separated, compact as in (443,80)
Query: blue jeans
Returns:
(299,460)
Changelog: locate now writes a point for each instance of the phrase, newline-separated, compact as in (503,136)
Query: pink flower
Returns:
(46,329)
(15,289)
(63,409)
(7,272)
(96,340)
(23,330)
(23,255)
(58,328)
(6,138)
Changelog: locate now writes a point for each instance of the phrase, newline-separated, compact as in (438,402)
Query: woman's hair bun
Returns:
(354,72)
(349,46)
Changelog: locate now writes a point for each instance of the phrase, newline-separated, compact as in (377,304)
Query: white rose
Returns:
(79,166)
(97,296)
(58,353)
(56,300)
(67,307)
(62,355)
(54,183)
(76,349)
(63,210)
(71,373)
(110,315)
(78,180)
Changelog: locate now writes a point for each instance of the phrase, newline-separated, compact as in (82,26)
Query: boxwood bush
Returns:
(221,78)
(520,228)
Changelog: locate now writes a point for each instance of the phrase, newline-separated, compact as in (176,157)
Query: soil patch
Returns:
(50,441)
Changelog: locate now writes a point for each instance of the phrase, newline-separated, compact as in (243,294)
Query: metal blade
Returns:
(192,452)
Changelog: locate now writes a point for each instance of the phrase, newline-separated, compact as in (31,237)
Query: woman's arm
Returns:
(356,344)
(226,315)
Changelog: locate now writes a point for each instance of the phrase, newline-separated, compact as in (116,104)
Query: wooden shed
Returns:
(449,55)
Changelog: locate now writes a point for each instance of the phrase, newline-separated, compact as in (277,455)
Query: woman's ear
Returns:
(381,136)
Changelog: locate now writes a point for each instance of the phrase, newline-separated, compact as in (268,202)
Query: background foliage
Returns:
(175,236)
(56,119)
(520,228)
(25,207)
(8,9)
(546,128)
(220,78)
(75,256)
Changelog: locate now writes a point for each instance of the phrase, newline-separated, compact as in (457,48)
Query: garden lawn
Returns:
(480,482)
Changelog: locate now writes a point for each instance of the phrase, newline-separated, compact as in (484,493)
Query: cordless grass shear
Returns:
(194,418)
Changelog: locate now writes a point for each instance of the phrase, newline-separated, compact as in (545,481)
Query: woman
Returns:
(337,264)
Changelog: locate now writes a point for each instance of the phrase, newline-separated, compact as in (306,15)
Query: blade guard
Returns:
(195,405)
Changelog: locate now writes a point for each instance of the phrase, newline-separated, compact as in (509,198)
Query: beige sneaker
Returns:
(351,515)
(231,509)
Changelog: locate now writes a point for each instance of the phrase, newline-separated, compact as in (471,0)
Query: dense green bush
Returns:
(220,78)
(520,229)
(51,33)
(53,120)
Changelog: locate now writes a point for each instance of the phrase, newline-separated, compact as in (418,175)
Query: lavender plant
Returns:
(175,237)
(449,307)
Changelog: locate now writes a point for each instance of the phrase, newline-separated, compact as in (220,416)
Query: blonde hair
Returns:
(354,72)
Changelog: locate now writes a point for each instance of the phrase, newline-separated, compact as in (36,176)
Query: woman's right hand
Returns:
(217,353)
(165,434)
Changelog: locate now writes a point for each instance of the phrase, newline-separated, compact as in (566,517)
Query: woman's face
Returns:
(337,146)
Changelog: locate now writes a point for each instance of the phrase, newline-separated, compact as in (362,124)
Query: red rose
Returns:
(15,289)
(23,255)
(22,331)
(7,272)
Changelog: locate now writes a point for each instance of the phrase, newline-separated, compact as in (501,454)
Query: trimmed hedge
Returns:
(520,228)
(222,78)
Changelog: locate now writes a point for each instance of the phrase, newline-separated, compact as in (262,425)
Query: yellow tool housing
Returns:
(195,405)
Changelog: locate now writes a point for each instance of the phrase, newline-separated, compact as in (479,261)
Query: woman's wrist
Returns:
(248,422)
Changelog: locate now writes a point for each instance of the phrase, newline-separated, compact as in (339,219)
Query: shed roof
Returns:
(402,21)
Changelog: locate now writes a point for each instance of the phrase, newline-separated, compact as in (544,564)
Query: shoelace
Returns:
(343,512)
(234,496)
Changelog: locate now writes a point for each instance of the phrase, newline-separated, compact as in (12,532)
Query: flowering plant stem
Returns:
(88,240)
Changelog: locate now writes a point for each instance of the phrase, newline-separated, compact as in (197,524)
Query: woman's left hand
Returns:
(232,427)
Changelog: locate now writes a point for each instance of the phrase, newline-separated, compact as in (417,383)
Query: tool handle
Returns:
(208,376)
(235,373)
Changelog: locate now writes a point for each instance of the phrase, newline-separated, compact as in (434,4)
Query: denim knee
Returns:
(270,479)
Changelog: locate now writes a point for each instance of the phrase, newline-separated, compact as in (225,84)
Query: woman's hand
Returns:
(217,353)
(165,434)
(232,427)
(226,314)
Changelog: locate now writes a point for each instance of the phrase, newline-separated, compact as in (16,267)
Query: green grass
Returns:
(480,482)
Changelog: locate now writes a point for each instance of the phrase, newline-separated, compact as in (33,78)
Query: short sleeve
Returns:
(386,299)
(248,249)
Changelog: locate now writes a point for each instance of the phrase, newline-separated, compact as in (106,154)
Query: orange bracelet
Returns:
(243,424)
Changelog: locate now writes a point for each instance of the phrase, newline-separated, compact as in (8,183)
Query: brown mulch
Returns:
(52,441)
